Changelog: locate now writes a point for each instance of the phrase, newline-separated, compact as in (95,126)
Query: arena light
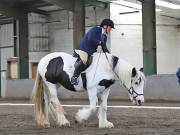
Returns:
(167,4)
(131,5)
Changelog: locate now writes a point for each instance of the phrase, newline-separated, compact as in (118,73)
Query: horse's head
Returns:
(132,79)
(136,92)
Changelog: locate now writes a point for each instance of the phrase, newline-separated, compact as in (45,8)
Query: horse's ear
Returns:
(141,69)
(134,72)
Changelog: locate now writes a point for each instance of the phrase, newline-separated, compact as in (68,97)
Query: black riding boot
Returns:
(79,67)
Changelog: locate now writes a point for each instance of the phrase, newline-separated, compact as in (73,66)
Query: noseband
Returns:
(132,92)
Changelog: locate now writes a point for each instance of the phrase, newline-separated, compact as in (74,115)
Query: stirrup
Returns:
(74,80)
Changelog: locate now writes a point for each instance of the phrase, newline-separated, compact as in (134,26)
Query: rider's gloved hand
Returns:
(104,47)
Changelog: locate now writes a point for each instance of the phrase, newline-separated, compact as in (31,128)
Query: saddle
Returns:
(89,61)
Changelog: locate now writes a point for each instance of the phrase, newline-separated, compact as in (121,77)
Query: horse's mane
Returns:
(125,72)
(123,68)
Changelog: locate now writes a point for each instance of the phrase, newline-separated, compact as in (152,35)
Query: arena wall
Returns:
(158,87)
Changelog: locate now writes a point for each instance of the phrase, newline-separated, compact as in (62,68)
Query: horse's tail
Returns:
(39,98)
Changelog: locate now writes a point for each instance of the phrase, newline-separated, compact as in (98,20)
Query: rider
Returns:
(88,45)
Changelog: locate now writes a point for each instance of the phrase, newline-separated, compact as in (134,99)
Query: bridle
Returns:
(133,93)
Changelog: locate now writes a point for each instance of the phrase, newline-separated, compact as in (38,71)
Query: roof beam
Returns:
(16,13)
(11,11)
(66,4)
(7,21)
(37,4)
(3,17)
(96,3)
(38,11)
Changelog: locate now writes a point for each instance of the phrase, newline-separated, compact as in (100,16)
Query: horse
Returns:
(56,69)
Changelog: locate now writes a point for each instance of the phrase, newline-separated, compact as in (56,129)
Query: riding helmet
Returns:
(107,22)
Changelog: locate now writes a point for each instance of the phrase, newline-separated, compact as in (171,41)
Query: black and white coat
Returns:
(57,68)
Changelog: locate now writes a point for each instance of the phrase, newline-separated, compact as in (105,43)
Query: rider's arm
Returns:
(94,36)
(104,48)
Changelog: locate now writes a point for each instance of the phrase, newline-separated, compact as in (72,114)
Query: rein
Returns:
(97,65)
(111,67)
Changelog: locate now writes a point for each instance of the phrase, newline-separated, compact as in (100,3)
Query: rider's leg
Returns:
(80,66)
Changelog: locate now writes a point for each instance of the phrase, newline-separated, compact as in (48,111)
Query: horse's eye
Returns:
(136,83)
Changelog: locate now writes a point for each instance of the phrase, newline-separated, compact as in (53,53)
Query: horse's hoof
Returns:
(47,125)
(65,124)
(79,120)
(110,125)
(44,124)
(107,125)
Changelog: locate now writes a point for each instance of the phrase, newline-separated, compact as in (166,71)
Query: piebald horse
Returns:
(56,69)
